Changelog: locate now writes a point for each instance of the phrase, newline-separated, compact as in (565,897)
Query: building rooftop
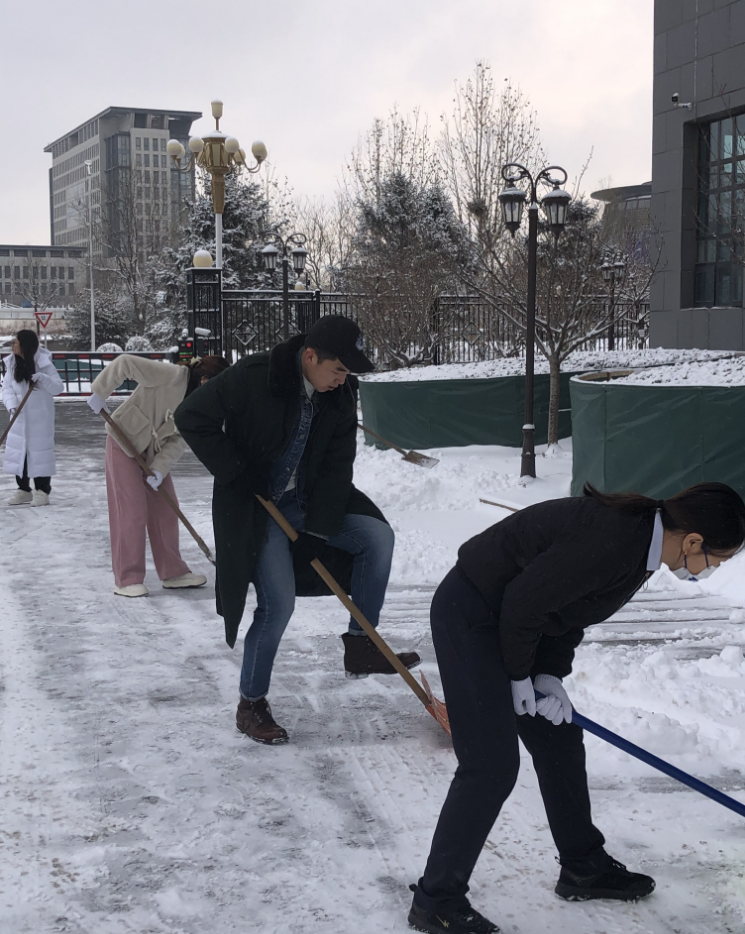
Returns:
(177,114)
(624,193)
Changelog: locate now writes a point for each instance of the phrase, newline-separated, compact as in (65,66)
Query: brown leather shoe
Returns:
(362,658)
(254,718)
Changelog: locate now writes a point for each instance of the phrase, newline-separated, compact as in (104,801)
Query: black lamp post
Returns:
(271,253)
(555,204)
(613,268)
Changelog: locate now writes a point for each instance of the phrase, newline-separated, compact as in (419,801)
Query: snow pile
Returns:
(581,361)
(726,371)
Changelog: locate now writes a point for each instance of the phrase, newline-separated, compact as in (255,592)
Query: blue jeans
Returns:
(368,539)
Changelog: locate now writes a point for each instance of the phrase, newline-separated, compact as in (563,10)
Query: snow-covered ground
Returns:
(131,805)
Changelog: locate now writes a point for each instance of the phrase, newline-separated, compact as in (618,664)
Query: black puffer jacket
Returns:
(257,400)
(551,570)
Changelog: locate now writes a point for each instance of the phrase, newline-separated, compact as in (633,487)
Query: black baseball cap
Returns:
(340,337)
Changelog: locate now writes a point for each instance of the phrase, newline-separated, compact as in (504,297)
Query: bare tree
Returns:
(487,129)
(329,229)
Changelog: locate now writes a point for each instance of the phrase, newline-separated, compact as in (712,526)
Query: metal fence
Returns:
(457,329)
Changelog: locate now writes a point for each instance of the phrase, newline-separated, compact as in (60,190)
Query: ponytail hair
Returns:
(712,510)
(25,367)
(203,367)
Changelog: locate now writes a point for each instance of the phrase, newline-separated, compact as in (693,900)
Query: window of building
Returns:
(155,145)
(720,213)
(53,272)
(138,142)
(7,272)
(71,288)
(7,288)
(147,177)
(70,272)
(25,272)
(61,289)
(147,144)
(43,272)
(138,160)
(43,288)
(16,272)
(163,145)
(140,121)
(147,161)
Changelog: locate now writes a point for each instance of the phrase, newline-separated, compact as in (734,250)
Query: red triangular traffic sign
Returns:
(43,317)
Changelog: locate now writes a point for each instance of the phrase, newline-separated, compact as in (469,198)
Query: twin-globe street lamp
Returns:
(555,204)
(613,269)
(270,254)
(218,154)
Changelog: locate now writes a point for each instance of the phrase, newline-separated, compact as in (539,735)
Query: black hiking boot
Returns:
(613,880)
(362,658)
(254,718)
(463,921)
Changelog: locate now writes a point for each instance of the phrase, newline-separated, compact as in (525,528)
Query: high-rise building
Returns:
(135,193)
(698,174)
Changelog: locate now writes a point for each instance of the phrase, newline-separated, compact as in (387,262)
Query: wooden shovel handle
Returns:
(125,440)
(358,615)
(376,435)
(17,413)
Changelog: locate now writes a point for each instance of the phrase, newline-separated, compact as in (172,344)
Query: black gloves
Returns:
(307,547)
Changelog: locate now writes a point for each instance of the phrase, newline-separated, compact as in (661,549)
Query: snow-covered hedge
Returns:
(729,371)
(584,360)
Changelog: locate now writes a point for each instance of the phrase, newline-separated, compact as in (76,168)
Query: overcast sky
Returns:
(309,76)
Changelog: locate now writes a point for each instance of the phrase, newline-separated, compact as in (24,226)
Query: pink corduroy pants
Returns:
(135,508)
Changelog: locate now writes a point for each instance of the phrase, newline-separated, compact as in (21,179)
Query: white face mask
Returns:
(685,575)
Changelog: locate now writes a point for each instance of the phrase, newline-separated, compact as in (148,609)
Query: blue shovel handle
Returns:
(678,774)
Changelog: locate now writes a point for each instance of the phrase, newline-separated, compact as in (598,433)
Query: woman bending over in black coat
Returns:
(508,618)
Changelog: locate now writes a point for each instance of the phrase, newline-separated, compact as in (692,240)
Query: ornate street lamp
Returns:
(218,154)
(271,253)
(613,268)
(554,203)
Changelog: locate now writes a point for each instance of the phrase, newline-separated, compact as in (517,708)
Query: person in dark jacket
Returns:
(505,621)
(283,425)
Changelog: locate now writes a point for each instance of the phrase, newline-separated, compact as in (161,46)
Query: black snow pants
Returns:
(41,483)
(485,732)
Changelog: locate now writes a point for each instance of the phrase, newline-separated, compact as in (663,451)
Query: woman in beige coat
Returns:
(135,506)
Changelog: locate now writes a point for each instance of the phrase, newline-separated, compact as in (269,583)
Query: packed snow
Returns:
(131,805)
(578,362)
(728,371)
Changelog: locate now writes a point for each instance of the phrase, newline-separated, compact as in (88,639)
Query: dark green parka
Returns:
(238,424)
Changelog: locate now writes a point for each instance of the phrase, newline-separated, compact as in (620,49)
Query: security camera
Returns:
(677,103)
(202,332)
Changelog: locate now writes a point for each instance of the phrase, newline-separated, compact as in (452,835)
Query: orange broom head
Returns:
(436,707)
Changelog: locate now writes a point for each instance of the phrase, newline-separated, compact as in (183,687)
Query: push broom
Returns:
(433,706)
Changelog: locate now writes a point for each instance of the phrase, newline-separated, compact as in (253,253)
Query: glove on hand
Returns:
(11,412)
(35,377)
(156,480)
(96,403)
(523,697)
(555,706)
(307,547)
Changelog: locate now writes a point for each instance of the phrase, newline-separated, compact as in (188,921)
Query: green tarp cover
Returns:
(656,440)
(458,412)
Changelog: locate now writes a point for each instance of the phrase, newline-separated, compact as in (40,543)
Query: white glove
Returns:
(96,403)
(555,706)
(35,377)
(523,697)
(156,480)
(11,412)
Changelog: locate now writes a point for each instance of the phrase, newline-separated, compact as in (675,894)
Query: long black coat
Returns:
(257,400)
(551,570)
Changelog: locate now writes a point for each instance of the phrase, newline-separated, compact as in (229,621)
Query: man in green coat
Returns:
(284,425)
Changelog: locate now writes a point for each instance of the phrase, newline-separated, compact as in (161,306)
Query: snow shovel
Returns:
(17,413)
(413,457)
(166,496)
(432,705)
(638,753)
